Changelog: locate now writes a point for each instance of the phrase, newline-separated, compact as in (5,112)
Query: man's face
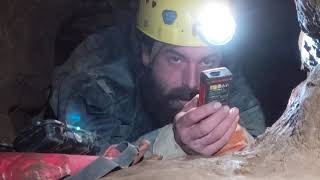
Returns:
(175,72)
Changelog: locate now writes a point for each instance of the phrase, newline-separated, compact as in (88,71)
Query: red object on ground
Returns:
(112,152)
(38,166)
(22,166)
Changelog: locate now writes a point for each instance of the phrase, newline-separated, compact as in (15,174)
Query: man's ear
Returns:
(145,56)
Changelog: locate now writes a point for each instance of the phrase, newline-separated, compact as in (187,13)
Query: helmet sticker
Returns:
(169,16)
(154,4)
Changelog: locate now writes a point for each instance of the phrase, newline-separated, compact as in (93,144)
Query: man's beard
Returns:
(163,107)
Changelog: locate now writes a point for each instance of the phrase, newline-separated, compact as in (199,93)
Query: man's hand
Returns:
(206,129)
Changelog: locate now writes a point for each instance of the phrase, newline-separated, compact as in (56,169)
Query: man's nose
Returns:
(192,77)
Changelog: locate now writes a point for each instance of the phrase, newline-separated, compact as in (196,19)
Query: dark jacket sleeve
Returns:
(91,89)
(251,114)
(90,104)
(95,88)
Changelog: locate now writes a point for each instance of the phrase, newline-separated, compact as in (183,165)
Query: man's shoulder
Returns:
(251,114)
(241,95)
(100,62)
(103,47)
(103,54)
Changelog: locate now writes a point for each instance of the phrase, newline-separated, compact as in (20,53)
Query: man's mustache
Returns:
(182,93)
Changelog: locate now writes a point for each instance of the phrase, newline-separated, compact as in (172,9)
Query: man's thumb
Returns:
(191,104)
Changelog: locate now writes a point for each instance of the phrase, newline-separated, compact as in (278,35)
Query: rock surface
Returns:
(27,35)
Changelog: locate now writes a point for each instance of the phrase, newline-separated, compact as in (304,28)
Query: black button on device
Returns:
(215,73)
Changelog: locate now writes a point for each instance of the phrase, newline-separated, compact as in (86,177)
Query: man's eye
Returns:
(175,60)
(208,62)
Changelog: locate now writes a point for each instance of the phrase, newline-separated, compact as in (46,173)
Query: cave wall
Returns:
(269,53)
(27,33)
(36,36)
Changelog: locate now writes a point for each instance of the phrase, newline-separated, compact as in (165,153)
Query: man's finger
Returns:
(213,148)
(195,116)
(191,104)
(220,130)
(220,121)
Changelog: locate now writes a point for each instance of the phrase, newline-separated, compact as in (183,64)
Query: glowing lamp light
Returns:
(73,118)
(216,24)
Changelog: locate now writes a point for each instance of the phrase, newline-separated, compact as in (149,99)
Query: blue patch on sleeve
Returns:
(73,118)
(169,16)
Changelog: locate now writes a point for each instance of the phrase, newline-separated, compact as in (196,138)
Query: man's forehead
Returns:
(192,51)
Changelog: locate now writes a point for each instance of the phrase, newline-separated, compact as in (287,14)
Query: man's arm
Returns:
(90,89)
(89,103)
(197,130)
